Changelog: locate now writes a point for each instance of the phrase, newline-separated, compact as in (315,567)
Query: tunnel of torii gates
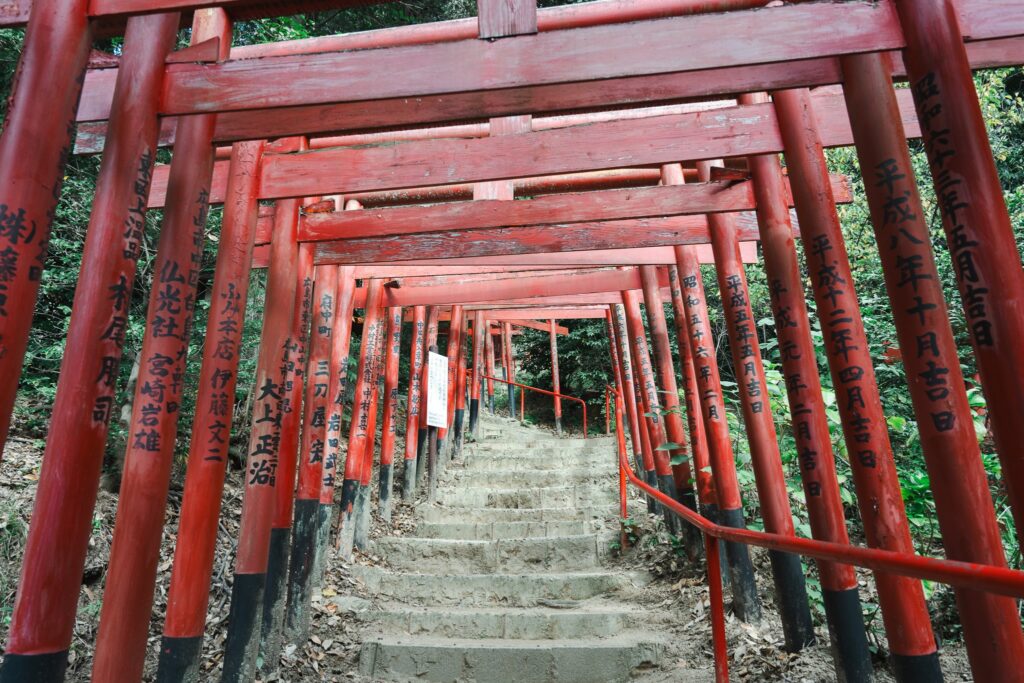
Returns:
(515,169)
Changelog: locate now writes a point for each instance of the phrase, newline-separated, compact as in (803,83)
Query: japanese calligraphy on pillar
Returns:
(953,202)
(745,338)
(225,355)
(703,349)
(417,367)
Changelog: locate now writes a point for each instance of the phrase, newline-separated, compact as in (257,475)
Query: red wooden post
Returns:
(977,224)
(480,333)
(362,513)
(275,591)
(555,384)
(361,405)
(44,611)
(135,550)
(429,343)
(321,314)
(698,440)
(189,591)
(809,419)
(651,405)
(787,571)
(674,432)
(337,390)
(34,147)
(393,345)
(258,502)
(454,350)
(958,479)
(624,377)
(489,353)
(723,466)
(634,404)
(860,408)
(509,369)
(460,395)
(417,357)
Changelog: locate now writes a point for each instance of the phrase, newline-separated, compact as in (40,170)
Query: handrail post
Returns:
(718,639)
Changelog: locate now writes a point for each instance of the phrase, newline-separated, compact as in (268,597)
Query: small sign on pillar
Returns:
(437,390)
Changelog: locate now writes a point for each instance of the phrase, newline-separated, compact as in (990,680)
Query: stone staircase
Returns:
(505,578)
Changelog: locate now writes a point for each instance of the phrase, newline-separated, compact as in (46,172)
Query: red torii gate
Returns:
(239,106)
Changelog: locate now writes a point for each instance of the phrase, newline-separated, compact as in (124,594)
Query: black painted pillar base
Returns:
(324,516)
(558,426)
(917,668)
(474,415)
(456,441)
(275,595)
(791,600)
(693,538)
(386,482)
(300,570)
(667,485)
(432,449)
(409,479)
(179,660)
(490,398)
(244,619)
(45,668)
(741,571)
(361,518)
(512,401)
(847,635)
(652,481)
(421,455)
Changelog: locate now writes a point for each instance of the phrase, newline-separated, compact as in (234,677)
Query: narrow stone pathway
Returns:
(505,578)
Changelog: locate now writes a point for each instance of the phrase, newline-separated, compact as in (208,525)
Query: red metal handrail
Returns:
(983,577)
(522,399)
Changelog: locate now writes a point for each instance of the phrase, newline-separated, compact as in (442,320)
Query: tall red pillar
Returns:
(480,333)
(860,407)
(44,610)
(723,465)
(417,353)
(189,592)
(555,383)
(958,479)
(34,147)
(135,549)
(393,345)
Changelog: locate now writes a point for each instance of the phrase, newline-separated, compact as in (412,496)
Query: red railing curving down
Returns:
(546,392)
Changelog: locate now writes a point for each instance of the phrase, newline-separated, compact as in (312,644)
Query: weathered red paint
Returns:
(645,375)
(258,502)
(634,402)
(135,549)
(555,384)
(666,376)
(974,216)
(417,352)
(456,326)
(34,146)
(864,427)
(341,338)
(315,407)
(800,369)
(392,346)
(958,479)
(188,594)
(44,610)
(489,353)
(433,314)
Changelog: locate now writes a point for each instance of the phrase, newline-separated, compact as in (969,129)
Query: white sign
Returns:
(437,390)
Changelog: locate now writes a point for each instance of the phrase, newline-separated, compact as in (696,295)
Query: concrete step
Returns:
(496,479)
(476,531)
(442,660)
(513,590)
(529,463)
(526,444)
(576,620)
(553,513)
(553,496)
(560,553)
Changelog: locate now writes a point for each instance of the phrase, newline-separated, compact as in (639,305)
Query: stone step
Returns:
(554,496)
(529,463)
(570,620)
(512,590)
(526,444)
(443,660)
(475,531)
(466,477)
(509,555)
(562,513)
